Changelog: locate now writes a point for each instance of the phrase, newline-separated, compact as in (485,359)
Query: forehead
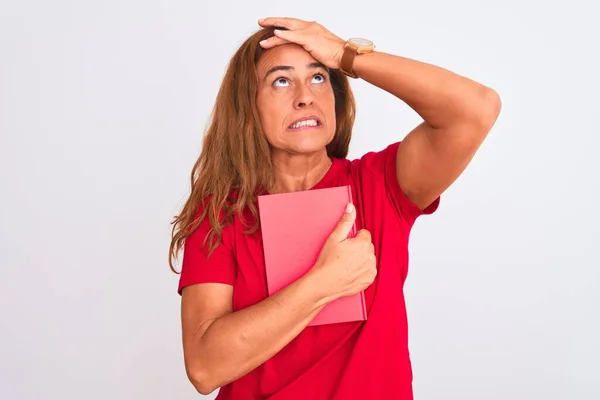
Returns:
(291,55)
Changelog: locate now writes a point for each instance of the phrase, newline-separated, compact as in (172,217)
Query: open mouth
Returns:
(310,122)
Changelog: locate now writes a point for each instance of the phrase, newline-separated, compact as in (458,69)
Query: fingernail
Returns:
(349,208)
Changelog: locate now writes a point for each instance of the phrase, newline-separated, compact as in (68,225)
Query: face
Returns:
(295,100)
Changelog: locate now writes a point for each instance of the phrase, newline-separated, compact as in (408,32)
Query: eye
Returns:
(320,78)
(281,81)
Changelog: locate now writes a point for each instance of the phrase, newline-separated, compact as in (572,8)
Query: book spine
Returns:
(363,302)
(353,232)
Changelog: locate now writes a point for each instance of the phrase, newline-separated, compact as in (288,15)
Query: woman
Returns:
(282,122)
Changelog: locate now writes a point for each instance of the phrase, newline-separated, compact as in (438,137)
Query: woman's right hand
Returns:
(345,266)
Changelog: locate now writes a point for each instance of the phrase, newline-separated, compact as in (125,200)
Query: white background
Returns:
(102,109)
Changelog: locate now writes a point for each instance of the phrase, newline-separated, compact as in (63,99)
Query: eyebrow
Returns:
(276,68)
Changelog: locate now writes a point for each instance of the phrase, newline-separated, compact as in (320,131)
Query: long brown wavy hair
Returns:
(236,157)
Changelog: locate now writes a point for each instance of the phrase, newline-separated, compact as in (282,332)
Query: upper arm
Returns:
(201,304)
(206,287)
(431,159)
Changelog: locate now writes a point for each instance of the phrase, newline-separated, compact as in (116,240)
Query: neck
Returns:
(294,173)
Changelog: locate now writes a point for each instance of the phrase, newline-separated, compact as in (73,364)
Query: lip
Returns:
(319,123)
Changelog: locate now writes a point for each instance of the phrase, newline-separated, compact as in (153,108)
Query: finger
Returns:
(272,42)
(345,225)
(364,234)
(298,36)
(285,22)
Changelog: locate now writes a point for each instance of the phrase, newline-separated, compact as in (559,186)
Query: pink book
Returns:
(295,227)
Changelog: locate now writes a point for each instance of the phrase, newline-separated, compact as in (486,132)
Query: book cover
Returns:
(294,228)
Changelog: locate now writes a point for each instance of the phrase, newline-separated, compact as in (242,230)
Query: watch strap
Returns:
(347,62)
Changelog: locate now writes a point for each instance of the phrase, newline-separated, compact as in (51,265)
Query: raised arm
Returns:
(458,114)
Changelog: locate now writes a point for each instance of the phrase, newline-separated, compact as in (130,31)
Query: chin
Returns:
(301,141)
(307,149)
(308,145)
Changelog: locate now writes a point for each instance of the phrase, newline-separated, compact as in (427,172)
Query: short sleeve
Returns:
(384,163)
(199,267)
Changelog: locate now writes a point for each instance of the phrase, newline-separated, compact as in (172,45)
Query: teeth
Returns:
(308,122)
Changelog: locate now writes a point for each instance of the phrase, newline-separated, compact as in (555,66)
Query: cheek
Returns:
(326,96)
(329,107)
(273,106)
(270,118)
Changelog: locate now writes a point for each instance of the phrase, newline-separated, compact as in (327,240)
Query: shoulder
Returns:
(220,217)
(374,176)
(375,163)
(209,250)
(372,165)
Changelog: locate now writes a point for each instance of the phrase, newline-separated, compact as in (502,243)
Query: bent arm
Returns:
(221,346)
(458,114)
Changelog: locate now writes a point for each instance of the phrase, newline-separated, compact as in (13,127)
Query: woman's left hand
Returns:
(323,45)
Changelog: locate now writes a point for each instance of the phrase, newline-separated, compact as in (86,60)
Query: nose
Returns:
(304,97)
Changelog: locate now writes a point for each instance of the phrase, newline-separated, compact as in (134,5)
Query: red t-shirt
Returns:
(354,360)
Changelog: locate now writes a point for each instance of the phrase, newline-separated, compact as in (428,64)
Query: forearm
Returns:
(238,342)
(442,98)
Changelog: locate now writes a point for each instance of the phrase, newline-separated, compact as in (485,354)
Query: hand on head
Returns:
(323,45)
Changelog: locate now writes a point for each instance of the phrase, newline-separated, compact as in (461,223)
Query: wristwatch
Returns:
(352,48)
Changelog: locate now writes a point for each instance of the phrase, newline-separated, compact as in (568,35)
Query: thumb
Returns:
(344,227)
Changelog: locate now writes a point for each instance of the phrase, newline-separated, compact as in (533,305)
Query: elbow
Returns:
(202,381)
(489,109)
(476,115)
